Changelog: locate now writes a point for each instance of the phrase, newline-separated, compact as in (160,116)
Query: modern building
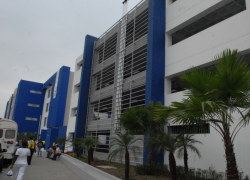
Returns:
(25,105)
(123,68)
(196,31)
(137,60)
(41,107)
(54,119)
(140,58)
(73,102)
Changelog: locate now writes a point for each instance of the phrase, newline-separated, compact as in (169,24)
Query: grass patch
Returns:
(119,171)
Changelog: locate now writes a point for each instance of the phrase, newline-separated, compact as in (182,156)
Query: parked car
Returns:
(8,136)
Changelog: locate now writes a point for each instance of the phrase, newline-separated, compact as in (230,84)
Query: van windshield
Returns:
(1,133)
(10,134)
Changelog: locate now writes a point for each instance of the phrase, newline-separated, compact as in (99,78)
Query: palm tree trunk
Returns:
(126,165)
(150,159)
(92,154)
(232,171)
(89,156)
(185,160)
(172,166)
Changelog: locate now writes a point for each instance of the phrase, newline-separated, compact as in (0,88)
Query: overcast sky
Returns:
(37,37)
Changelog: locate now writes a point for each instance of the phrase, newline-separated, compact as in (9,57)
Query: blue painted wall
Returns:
(43,135)
(57,105)
(22,110)
(84,86)
(155,60)
(51,136)
(6,109)
(62,131)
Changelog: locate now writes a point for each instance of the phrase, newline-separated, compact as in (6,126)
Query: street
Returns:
(43,168)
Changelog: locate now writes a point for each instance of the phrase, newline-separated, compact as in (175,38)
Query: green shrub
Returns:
(73,154)
(157,169)
(198,174)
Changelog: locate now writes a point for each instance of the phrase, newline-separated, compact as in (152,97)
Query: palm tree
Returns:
(77,143)
(141,120)
(212,96)
(124,141)
(187,142)
(168,142)
(63,142)
(89,142)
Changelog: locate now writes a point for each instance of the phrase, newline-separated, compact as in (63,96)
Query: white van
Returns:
(8,136)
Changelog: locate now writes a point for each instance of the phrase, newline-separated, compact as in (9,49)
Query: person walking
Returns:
(20,160)
(43,144)
(39,147)
(31,146)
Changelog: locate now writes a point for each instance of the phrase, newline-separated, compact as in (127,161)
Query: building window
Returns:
(103,141)
(105,77)
(1,133)
(45,122)
(221,14)
(49,91)
(102,110)
(36,92)
(47,107)
(177,85)
(107,49)
(190,129)
(138,28)
(33,105)
(135,62)
(73,112)
(133,98)
(77,88)
(31,119)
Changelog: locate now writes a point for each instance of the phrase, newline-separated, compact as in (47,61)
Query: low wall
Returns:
(85,171)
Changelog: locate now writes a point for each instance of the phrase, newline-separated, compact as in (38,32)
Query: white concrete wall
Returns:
(69,95)
(199,50)
(44,113)
(74,100)
(85,171)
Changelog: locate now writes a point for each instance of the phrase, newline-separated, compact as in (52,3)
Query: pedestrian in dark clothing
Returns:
(39,147)
(31,146)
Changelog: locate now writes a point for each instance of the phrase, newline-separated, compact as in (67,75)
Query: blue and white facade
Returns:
(138,60)
(41,107)
(123,68)
(73,105)
(25,106)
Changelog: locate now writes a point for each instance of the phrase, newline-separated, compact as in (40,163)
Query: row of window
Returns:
(39,92)
(134,63)
(103,137)
(103,108)
(215,17)
(190,129)
(135,29)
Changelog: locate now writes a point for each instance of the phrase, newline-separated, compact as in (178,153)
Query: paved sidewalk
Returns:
(42,168)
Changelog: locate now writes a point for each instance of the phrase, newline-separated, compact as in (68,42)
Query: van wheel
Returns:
(1,165)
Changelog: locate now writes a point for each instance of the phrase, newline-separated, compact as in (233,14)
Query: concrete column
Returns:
(167,84)
(168,40)
(248,4)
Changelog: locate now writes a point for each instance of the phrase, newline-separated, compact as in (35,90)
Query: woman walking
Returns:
(20,160)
